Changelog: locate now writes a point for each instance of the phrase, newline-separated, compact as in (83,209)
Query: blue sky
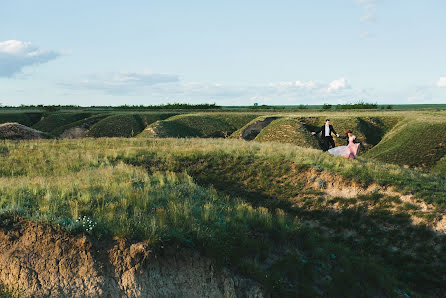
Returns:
(227,52)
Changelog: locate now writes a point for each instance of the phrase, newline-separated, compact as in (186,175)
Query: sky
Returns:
(225,52)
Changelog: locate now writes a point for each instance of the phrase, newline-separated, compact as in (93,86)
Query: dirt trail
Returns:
(42,261)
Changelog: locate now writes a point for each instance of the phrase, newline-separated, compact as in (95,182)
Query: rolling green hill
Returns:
(202,125)
(27,119)
(297,221)
(83,124)
(287,130)
(55,120)
(125,124)
(413,143)
(297,130)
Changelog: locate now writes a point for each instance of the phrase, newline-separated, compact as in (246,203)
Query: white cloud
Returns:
(168,88)
(369,7)
(122,82)
(337,85)
(15,54)
(300,84)
(441,82)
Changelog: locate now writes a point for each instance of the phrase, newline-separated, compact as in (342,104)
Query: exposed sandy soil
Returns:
(41,261)
(253,129)
(74,133)
(16,131)
(337,186)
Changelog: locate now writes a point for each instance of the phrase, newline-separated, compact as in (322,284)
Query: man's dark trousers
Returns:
(326,142)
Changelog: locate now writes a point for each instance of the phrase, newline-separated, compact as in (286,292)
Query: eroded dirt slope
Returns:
(40,261)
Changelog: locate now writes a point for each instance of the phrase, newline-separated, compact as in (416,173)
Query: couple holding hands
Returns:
(349,151)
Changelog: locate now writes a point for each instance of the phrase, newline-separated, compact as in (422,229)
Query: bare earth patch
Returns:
(39,260)
(335,186)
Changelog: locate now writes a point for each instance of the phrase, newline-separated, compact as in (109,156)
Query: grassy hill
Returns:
(288,130)
(198,125)
(27,119)
(296,129)
(50,122)
(125,124)
(413,142)
(84,124)
(298,221)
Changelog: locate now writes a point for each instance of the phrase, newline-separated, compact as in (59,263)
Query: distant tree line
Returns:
(355,106)
(169,106)
(265,107)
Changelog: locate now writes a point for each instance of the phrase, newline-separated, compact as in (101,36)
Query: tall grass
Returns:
(233,200)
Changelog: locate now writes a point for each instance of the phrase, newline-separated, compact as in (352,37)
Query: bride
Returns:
(349,151)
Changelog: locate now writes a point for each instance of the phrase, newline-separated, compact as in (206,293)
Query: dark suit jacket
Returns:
(322,129)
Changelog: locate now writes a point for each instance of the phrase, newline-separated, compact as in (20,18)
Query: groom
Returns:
(326,137)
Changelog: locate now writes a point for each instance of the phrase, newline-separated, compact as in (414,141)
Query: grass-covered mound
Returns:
(287,130)
(413,143)
(125,124)
(55,120)
(368,130)
(261,208)
(203,125)
(297,130)
(27,119)
(16,131)
(83,124)
(250,130)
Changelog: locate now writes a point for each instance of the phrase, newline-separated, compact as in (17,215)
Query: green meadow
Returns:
(247,205)
(272,206)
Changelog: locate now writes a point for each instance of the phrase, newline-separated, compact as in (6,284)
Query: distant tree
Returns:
(326,106)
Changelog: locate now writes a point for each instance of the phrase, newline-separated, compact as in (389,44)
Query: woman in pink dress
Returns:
(349,151)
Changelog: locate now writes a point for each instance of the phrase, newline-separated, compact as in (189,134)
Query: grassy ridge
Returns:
(369,130)
(85,123)
(27,119)
(287,130)
(239,203)
(413,143)
(56,182)
(125,125)
(238,134)
(198,125)
(55,120)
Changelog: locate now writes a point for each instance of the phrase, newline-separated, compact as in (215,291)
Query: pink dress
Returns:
(349,151)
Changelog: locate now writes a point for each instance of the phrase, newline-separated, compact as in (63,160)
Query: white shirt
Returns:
(327,130)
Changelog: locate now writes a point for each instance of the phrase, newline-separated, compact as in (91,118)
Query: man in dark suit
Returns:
(326,137)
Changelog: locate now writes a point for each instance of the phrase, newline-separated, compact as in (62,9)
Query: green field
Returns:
(244,204)
(250,190)
(407,138)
